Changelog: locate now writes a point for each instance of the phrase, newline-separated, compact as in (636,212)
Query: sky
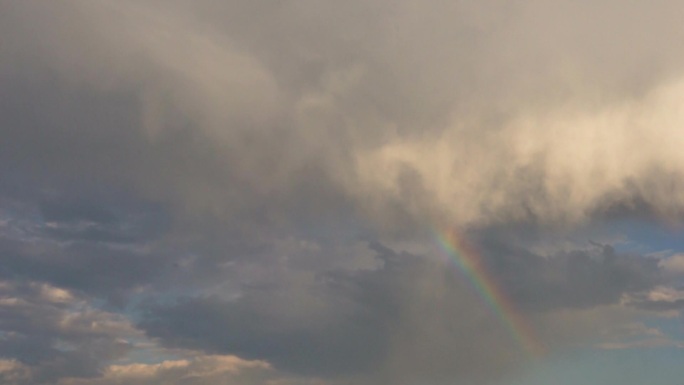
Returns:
(304,192)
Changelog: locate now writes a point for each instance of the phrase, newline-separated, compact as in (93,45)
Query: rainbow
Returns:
(469,262)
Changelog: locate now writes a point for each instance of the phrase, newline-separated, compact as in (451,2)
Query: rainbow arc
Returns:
(470,264)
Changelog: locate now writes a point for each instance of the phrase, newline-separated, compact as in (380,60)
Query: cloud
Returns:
(568,279)
(414,316)
(343,324)
(49,333)
(640,336)
(258,184)
(661,298)
(477,140)
(673,265)
(13,372)
(200,370)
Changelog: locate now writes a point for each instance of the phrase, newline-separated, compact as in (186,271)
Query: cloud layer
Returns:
(249,192)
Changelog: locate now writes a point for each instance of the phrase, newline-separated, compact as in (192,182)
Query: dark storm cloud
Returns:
(99,270)
(358,314)
(338,325)
(349,346)
(102,245)
(102,220)
(570,279)
(341,326)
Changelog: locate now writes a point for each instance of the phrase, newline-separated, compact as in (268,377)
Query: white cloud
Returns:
(673,265)
(55,294)
(665,294)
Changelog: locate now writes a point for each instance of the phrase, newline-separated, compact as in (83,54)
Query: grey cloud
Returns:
(224,159)
(103,220)
(663,298)
(378,318)
(56,334)
(330,335)
(569,279)
(107,253)
(456,103)
(661,305)
(291,303)
(408,320)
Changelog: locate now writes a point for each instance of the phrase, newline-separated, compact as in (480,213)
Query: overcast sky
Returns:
(270,192)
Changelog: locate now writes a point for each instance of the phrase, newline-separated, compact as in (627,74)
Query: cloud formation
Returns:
(249,192)
(464,127)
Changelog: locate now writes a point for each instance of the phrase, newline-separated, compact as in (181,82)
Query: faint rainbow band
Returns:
(469,262)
